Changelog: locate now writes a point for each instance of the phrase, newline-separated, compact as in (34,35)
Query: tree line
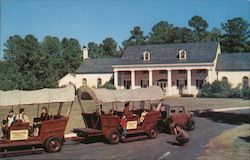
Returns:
(29,64)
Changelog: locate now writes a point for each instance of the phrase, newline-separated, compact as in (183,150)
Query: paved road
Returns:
(151,149)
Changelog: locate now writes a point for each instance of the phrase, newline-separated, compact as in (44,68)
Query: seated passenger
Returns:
(111,113)
(126,111)
(44,114)
(143,114)
(11,119)
(22,116)
(1,134)
(153,107)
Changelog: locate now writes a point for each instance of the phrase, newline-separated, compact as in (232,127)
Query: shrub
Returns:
(205,91)
(219,89)
(246,92)
(108,85)
(235,93)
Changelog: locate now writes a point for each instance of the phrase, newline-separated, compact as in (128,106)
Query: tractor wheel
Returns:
(152,133)
(190,125)
(53,144)
(114,137)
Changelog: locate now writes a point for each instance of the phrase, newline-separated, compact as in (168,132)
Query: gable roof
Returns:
(100,65)
(197,52)
(233,61)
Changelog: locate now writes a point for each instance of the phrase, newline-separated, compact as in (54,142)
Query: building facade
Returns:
(180,68)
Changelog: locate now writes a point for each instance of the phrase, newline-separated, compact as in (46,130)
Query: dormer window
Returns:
(146,56)
(182,54)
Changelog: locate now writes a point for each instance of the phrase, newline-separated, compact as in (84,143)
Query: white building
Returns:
(177,68)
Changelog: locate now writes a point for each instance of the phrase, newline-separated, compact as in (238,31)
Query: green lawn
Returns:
(232,144)
(76,120)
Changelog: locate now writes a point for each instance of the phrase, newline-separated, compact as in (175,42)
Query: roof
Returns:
(234,61)
(197,52)
(20,97)
(104,95)
(100,65)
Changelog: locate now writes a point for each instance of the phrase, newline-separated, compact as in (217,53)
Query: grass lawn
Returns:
(232,144)
(75,119)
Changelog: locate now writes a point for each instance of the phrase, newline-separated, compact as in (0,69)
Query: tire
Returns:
(114,137)
(190,125)
(53,144)
(152,133)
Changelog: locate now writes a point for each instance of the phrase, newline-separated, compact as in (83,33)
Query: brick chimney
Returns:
(85,53)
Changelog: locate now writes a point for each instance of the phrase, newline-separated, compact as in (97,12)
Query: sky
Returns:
(95,20)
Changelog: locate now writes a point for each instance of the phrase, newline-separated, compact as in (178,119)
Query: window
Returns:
(163,72)
(201,71)
(146,56)
(144,72)
(127,72)
(84,82)
(144,83)
(199,83)
(182,71)
(182,55)
(245,82)
(99,82)
(162,83)
(224,78)
(127,84)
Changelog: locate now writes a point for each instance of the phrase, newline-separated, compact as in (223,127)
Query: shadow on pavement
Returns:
(247,138)
(225,117)
(174,143)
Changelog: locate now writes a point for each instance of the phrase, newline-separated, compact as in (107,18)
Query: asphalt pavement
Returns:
(159,148)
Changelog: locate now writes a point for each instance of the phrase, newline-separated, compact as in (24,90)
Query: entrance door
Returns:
(181,84)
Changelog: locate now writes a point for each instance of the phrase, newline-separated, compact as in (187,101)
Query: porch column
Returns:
(132,79)
(169,82)
(116,79)
(189,81)
(150,77)
(209,74)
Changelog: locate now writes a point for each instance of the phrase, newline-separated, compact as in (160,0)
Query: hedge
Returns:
(222,89)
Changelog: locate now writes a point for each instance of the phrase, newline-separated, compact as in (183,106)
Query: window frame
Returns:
(182,54)
(146,56)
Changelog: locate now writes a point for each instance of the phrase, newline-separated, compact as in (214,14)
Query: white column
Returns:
(132,79)
(169,82)
(189,81)
(116,79)
(150,77)
(209,76)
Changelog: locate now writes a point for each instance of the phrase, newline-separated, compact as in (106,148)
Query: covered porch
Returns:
(173,81)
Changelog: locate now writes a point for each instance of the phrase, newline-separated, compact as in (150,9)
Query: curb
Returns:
(230,109)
